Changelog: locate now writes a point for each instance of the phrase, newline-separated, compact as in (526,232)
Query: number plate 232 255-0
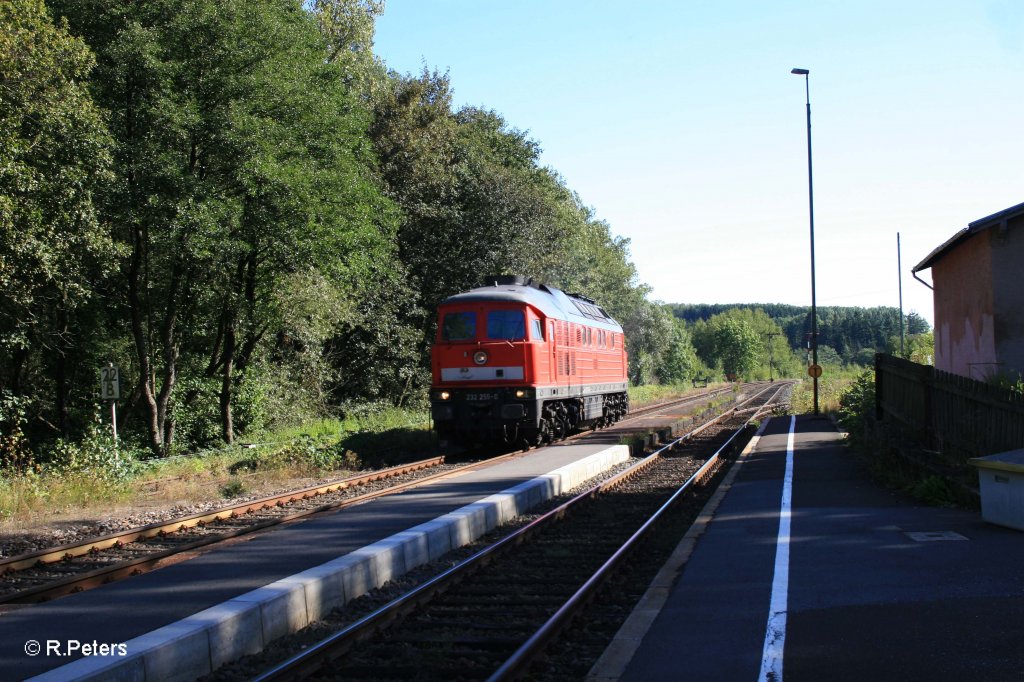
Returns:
(481,397)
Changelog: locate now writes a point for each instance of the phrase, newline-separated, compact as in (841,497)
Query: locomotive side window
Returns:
(538,330)
(458,327)
(506,324)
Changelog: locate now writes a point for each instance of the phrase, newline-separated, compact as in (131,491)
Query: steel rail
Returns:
(62,552)
(313,658)
(151,561)
(519,661)
(647,409)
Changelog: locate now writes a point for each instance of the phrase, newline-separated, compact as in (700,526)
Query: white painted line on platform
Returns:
(612,664)
(775,636)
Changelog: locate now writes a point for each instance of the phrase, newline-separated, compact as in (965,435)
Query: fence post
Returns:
(929,412)
(878,387)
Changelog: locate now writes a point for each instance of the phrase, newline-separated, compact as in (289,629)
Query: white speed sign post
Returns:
(110,389)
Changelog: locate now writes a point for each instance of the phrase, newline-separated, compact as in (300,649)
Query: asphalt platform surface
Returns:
(879,586)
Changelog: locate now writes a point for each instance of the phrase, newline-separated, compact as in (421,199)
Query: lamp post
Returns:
(810,193)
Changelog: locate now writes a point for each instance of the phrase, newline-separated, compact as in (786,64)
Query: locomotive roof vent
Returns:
(512,280)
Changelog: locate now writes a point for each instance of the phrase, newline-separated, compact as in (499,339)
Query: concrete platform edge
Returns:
(197,645)
(613,662)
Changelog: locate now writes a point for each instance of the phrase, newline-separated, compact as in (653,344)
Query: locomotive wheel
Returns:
(544,435)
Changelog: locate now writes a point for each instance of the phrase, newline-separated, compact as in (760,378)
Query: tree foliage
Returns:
(54,156)
(244,191)
(854,333)
(239,205)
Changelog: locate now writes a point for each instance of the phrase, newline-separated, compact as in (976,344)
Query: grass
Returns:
(97,478)
(103,479)
(640,396)
(833,383)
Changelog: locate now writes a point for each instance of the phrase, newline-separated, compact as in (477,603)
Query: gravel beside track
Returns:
(281,649)
(18,581)
(58,533)
(470,630)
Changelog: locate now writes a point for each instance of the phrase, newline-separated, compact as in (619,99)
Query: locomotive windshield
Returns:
(458,327)
(506,324)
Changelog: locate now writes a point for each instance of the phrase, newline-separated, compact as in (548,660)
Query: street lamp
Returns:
(810,193)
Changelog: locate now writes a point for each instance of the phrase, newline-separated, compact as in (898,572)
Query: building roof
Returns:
(1001,219)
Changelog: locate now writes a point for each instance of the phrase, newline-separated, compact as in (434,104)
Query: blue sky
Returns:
(681,125)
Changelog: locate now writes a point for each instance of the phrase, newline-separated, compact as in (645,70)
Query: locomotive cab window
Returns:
(538,330)
(458,327)
(506,324)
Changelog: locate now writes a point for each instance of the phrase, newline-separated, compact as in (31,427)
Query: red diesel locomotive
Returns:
(525,363)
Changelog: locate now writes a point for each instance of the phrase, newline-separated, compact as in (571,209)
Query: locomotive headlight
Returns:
(520,393)
(480,357)
(444,395)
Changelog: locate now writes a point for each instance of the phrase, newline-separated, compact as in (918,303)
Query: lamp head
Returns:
(800,72)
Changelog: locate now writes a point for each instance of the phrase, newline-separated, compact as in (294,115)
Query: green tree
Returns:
(737,346)
(648,330)
(828,356)
(916,324)
(772,353)
(919,348)
(730,342)
(244,175)
(679,362)
(54,156)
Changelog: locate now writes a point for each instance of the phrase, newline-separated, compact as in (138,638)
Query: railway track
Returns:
(490,616)
(50,573)
(54,572)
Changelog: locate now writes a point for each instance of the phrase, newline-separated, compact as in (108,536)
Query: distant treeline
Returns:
(854,333)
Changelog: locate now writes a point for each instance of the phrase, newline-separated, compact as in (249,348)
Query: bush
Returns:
(15,455)
(95,456)
(233,488)
(857,404)
(934,491)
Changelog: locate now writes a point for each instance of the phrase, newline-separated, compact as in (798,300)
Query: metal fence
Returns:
(947,413)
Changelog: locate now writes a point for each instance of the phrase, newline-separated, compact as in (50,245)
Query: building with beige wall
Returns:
(978,284)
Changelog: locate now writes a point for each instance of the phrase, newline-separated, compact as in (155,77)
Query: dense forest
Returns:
(239,205)
(854,334)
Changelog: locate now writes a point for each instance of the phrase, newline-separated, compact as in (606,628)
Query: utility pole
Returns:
(899,272)
(771,355)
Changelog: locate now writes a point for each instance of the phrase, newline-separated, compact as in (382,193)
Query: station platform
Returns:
(184,620)
(854,583)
